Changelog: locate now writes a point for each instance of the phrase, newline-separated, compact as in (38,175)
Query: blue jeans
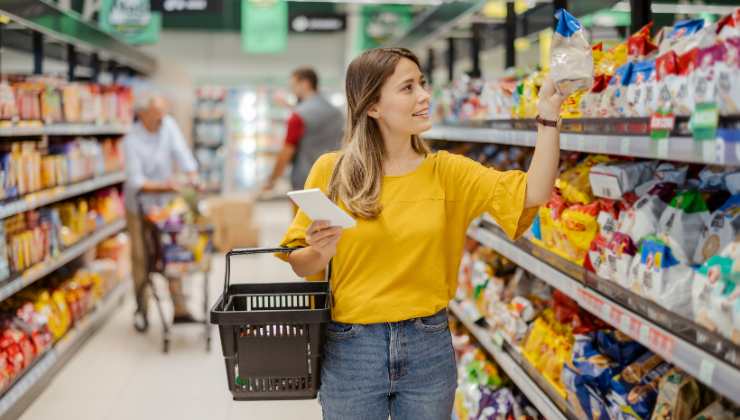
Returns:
(403,369)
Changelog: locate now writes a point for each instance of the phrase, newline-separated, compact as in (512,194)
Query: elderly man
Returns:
(153,149)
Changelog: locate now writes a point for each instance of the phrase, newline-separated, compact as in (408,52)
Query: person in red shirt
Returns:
(314,127)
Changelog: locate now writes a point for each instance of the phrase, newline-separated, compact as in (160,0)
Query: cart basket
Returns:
(272,335)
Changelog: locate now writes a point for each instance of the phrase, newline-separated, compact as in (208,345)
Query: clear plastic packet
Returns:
(722,229)
(680,34)
(682,223)
(571,60)
(705,78)
(729,83)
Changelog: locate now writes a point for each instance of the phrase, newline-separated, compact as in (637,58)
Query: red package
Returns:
(640,43)
(666,64)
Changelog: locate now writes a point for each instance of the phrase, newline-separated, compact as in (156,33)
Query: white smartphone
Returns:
(317,206)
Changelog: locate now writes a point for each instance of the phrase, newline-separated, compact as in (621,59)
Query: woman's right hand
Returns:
(323,238)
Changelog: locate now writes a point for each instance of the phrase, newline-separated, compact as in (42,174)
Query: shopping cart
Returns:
(272,334)
(174,250)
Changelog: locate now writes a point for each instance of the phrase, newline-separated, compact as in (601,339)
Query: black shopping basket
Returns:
(272,334)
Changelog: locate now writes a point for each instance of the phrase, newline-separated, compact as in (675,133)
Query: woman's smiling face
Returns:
(403,107)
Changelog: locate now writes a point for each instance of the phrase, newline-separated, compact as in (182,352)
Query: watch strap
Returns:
(547,123)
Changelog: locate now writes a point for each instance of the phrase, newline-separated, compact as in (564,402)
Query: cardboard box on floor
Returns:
(231,217)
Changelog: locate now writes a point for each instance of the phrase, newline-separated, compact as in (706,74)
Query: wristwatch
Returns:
(548,123)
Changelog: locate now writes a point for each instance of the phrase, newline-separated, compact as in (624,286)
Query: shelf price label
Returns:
(706,371)
(661,125)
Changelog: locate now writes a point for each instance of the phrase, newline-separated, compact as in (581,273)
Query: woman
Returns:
(389,349)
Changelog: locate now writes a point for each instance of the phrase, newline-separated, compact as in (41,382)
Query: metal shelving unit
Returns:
(69,28)
(43,269)
(39,375)
(513,368)
(64,130)
(709,368)
(684,149)
(56,194)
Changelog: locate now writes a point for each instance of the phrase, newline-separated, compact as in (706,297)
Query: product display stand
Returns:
(712,369)
(40,374)
(548,404)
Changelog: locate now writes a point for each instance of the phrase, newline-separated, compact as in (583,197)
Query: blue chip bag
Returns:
(619,347)
(593,367)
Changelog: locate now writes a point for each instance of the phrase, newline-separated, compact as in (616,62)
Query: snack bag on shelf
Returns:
(679,397)
(51,105)
(614,179)
(679,85)
(640,44)
(722,229)
(572,105)
(71,101)
(729,26)
(571,61)
(662,278)
(619,347)
(8,104)
(633,392)
(641,98)
(642,218)
(596,260)
(705,78)
(681,37)
(729,85)
(592,366)
(580,227)
(682,223)
(574,183)
(613,98)
(666,71)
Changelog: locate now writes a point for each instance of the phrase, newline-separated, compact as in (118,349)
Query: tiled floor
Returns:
(121,375)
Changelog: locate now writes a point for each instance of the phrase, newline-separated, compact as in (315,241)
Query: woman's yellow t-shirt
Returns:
(404,263)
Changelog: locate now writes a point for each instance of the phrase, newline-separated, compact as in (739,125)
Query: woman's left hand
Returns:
(550,101)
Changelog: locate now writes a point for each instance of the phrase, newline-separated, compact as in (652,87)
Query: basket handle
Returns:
(247,251)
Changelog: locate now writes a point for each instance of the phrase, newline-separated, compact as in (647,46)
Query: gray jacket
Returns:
(323,130)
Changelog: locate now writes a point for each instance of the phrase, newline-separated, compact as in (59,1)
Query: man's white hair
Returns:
(142,100)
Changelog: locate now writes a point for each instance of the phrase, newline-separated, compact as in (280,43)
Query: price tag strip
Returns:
(671,148)
(714,372)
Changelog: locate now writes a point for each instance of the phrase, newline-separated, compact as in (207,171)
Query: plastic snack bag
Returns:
(666,72)
(729,85)
(678,36)
(682,223)
(619,347)
(705,79)
(642,219)
(641,100)
(665,172)
(640,43)
(722,229)
(708,286)
(571,61)
(614,97)
(679,396)
(613,180)
(580,226)
(680,84)
(729,26)
(662,278)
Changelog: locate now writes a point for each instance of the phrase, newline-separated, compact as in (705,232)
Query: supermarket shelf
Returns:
(546,406)
(39,375)
(42,269)
(683,149)
(53,195)
(68,27)
(706,367)
(64,130)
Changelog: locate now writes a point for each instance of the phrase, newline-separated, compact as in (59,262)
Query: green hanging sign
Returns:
(264,26)
(131,20)
(382,23)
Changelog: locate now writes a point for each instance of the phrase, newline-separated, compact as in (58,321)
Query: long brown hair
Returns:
(358,173)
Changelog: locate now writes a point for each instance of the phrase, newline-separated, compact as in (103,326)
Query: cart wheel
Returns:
(166,346)
(141,323)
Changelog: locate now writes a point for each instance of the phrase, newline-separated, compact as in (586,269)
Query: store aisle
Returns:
(120,375)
